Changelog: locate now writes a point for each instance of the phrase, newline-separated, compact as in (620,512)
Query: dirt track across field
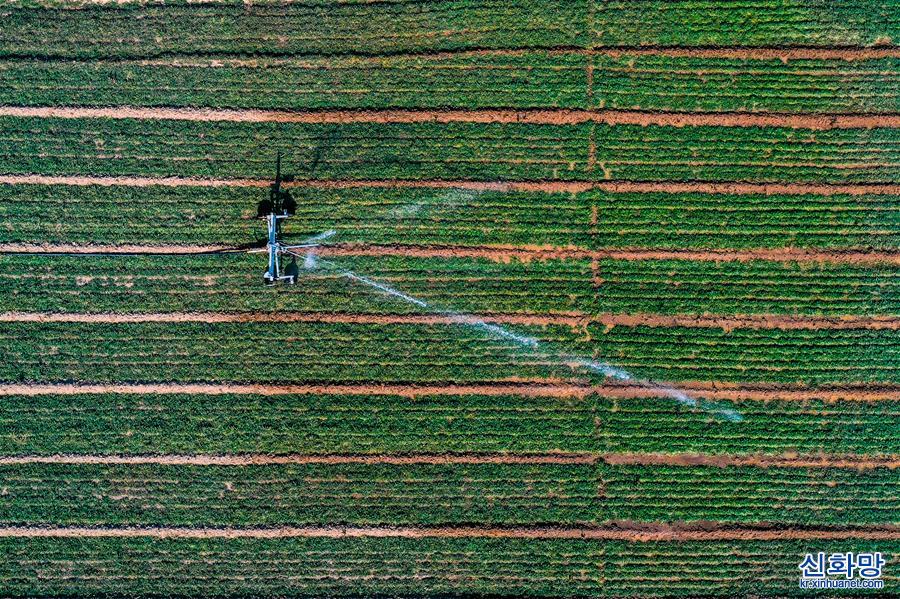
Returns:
(728,323)
(856,462)
(497,253)
(571,187)
(625,532)
(530,116)
(712,391)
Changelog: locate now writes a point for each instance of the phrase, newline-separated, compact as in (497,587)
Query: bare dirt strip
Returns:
(500,186)
(712,391)
(580,321)
(264,459)
(783,54)
(497,253)
(857,462)
(502,253)
(536,117)
(626,531)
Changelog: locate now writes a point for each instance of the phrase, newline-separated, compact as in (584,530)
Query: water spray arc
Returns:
(276,210)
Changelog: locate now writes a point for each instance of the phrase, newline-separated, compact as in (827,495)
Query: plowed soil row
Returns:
(754,321)
(648,459)
(535,117)
(756,461)
(498,253)
(512,186)
(784,54)
(713,391)
(626,532)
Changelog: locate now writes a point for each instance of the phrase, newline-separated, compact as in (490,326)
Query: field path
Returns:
(751,321)
(646,459)
(644,533)
(528,116)
(713,391)
(497,253)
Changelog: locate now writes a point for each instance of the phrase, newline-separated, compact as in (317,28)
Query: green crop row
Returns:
(231,283)
(747,154)
(331,27)
(294,567)
(593,219)
(449,494)
(528,80)
(727,568)
(317,424)
(806,427)
(743,23)
(98,146)
(151,29)
(659,82)
(493,80)
(222,424)
(297,494)
(810,357)
(329,352)
(795,496)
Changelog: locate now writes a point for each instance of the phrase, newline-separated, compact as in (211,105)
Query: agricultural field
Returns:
(601,298)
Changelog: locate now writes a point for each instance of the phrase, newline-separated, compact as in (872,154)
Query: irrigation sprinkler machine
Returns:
(279,207)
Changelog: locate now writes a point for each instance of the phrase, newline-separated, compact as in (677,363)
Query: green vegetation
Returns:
(811,357)
(316,567)
(528,80)
(359,56)
(157,215)
(763,154)
(321,424)
(649,82)
(274,28)
(55,146)
(300,567)
(531,79)
(806,427)
(814,496)
(293,494)
(328,352)
(230,283)
(314,424)
(329,27)
(429,494)
(694,569)
(234,150)
(743,23)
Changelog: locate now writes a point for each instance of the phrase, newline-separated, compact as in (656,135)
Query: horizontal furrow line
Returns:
(548,388)
(758,321)
(502,186)
(533,117)
(859,462)
(497,253)
(638,533)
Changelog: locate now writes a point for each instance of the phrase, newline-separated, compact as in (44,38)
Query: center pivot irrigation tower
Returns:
(278,207)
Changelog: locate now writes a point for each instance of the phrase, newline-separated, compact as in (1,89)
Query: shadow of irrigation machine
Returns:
(278,207)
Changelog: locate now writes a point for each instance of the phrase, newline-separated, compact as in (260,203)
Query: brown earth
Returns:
(647,459)
(497,253)
(857,462)
(574,320)
(709,390)
(541,117)
(520,186)
(625,531)
(265,459)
